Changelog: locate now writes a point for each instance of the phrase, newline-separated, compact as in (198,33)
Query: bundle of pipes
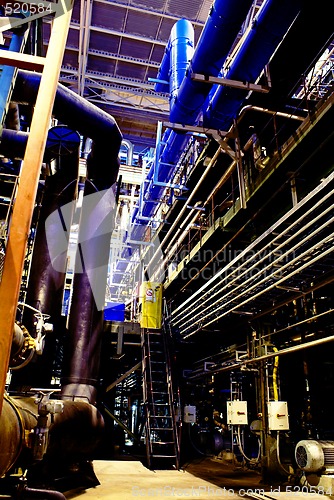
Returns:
(216,106)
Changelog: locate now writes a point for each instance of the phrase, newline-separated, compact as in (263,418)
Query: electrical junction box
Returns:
(278,418)
(237,413)
(189,414)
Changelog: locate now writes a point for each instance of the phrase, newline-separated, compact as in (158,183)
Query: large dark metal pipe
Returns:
(15,423)
(83,116)
(82,352)
(47,273)
(74,434)
(220,30)
(81,362)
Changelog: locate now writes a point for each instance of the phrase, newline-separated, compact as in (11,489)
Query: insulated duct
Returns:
(82,350)
(315,456)
(220,30)
(47,274)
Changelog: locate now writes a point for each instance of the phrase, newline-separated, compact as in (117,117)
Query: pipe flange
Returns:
(25,354)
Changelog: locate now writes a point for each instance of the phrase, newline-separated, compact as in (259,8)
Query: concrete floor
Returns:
(204,479)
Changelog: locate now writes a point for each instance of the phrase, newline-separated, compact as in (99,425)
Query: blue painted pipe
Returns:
(181,52)
(267,31)
(187,97)
(220,30)
(7,74)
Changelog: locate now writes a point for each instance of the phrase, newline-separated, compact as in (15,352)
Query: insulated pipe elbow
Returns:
(82,116)
(164,71)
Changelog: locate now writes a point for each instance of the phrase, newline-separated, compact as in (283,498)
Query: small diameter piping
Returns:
(251,460)
(205,173)
(278,455)
(242,113)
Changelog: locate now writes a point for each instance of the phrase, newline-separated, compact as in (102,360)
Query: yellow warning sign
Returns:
(150,300)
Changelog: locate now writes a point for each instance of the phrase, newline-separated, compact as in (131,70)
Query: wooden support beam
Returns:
(27,189)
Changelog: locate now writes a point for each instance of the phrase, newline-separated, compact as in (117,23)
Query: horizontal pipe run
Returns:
(274,263)
(282,352)
(266,33)
(209,284)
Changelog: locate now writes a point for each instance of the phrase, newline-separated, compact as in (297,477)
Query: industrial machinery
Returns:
(209,339)
(315,456)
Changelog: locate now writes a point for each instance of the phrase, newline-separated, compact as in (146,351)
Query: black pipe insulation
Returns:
(17,342)
(83,116)
(48,271)
(38,494)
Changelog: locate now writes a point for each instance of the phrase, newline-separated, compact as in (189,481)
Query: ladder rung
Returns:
(162,429)
(159,416)
(163,456)
(162,442)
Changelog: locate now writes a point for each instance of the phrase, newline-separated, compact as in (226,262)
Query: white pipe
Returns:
(209,283)
(266,268)
(270,287)
(194,191)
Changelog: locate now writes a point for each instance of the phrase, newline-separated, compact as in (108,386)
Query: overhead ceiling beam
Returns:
(150,12)
(124,104)
(108,31)
(96,78)
(119,57)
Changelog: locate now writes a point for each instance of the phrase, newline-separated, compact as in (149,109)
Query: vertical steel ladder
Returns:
(162,442)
